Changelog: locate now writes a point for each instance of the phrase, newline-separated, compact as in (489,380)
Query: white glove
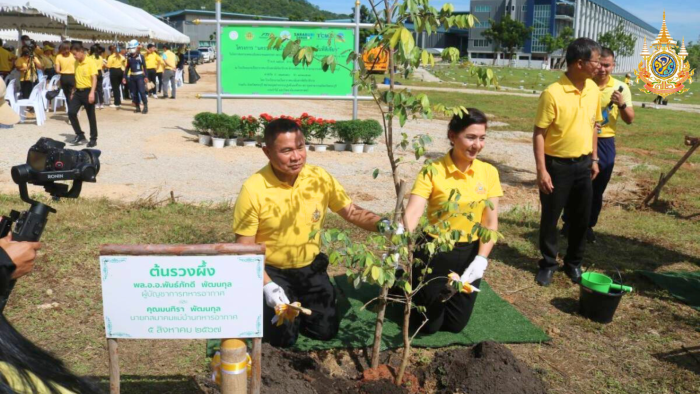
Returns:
(274,295)
(475,270)
(399,229)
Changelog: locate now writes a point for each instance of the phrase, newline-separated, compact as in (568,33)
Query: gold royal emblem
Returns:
(664,71)
(316,216)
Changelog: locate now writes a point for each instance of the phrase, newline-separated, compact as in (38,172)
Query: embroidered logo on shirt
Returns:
(316,216)
(480,189)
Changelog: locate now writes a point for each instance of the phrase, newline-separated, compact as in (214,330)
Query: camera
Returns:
(47,162)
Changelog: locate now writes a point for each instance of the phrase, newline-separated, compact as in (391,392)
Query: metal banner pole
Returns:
(219,106)
(357,52)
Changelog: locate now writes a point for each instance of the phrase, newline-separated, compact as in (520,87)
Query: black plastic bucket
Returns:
(597,306)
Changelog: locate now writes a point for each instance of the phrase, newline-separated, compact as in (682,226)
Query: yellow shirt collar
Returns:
(271,179)
(452,168)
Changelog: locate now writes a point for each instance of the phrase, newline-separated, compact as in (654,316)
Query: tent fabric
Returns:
(92,19)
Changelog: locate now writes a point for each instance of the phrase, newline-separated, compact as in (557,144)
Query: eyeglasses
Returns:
(592,61)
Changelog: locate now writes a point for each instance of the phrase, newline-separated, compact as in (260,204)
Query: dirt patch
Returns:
(485,368)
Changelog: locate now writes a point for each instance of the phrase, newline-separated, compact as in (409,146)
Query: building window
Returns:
(524,8)
(482,8)
(480,43)
(540,26)
(483,25)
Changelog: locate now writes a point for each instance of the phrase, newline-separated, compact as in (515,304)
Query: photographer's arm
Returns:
(17,255)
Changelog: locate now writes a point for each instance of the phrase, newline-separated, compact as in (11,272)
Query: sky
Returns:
(682,16)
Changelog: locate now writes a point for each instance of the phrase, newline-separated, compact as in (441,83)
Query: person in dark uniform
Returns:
(135,66)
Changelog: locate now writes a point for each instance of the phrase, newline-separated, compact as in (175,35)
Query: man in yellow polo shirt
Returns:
(170,60)
(565,145)
(153,59)
(65,65)
(83,95)
(280,206)
(615,103)
(6,61)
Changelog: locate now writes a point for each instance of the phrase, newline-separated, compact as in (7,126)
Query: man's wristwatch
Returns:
(623,106)
(595,159)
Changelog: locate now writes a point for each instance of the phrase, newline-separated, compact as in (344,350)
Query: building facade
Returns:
(203,35)
(587,18)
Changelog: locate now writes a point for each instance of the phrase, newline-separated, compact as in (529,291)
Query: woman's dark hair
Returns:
(279,126)
(458,124)
(18,352)
(25,51)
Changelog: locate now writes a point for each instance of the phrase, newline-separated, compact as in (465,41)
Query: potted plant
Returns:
(351,131)
(233,124)
(219,128)
(250,127)
(371,130)
(343,130)
(202,123)
(322,130)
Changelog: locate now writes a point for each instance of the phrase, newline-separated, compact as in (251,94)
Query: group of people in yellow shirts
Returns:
(81,75)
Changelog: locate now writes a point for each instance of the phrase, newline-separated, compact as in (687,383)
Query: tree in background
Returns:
(281,8)
(508,34)
(561,41)
(620,42)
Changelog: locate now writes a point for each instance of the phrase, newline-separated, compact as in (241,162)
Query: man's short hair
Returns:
(581,49)
(607,52)
(166,46)
(150,46)
(77,47)
(277,127)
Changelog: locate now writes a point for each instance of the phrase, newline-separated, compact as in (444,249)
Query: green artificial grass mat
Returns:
(493,319)
(683,285)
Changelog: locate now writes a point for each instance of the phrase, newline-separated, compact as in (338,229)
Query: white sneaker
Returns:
(112,106)
(155,96)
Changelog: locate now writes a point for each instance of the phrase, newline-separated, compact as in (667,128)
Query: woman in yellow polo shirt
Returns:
(28,72)
(476,181)
(65,65)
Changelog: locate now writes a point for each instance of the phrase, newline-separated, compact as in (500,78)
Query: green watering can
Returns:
(602,283)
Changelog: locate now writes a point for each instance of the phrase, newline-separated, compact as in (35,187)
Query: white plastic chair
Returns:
(61,97)
(11,96)
(35,101)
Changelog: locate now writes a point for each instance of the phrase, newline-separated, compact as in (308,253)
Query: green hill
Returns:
(293,9)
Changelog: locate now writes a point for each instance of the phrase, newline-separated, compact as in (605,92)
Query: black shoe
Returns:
(172,97)
(574,273)
(145,109)
(79,139)
(138,110)
(92,144)
(544,276)
(590,236)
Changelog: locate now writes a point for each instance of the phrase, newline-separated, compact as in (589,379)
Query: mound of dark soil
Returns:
(486,368)
(286,372)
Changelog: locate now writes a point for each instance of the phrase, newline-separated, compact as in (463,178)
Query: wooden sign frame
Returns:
(221,249)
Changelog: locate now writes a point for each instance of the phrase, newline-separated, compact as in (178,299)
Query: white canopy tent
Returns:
(91,19)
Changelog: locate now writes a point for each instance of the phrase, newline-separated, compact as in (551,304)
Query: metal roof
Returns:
(213,13)
(612,7)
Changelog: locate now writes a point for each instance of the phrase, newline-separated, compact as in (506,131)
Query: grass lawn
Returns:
(531,79)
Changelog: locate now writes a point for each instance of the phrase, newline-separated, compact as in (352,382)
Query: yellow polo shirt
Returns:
(19,385)
(479,183)
(170,60)
(569,116)
(283,216)
(609,128)
(6,60)
(29,74)
(151,60)
(46,61)
(99,62)
(160,66)
(83,73)
(67,63)
(116,62)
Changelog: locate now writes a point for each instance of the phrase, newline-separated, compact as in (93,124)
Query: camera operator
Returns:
(16,258)
(28,65)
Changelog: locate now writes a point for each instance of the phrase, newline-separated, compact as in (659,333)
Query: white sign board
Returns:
(182,297)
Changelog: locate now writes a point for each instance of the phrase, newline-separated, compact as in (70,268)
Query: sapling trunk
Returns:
(377,346)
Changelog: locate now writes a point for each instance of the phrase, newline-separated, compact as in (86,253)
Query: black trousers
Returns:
(451,315)
(573,190)
(138,89)
(25,88)
(115,79)
(81,99)
(151,75)
(67,85)
(160,81)
(99,91)
(312,287)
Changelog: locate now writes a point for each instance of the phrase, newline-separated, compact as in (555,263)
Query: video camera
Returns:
(47,162)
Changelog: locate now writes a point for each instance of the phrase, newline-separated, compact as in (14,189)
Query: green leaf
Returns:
(375,173)
(357,282)
(395,39)
(407,287)
(407,42)
(424,58)
(375,272)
